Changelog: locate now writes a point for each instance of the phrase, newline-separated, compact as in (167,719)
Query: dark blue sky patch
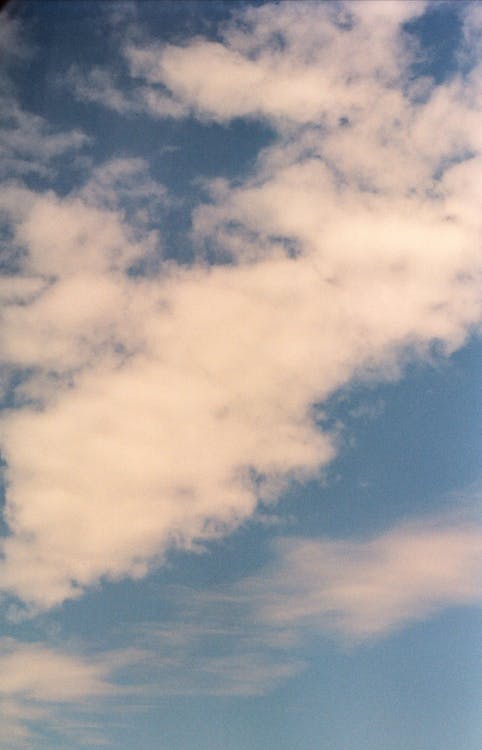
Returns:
(439,34)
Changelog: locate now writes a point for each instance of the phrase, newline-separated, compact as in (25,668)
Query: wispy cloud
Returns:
(244,638)
(43,687)
(100,86)
(364,589)
(206,652)
(28,143)
(14,44)
(353,590)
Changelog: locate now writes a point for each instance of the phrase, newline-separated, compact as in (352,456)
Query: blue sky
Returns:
(240,367)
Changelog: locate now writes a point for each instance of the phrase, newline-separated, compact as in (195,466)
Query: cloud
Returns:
(47,692)
(292,62)
(125,184)
(207,650)
(365,589)
(43,686)
(154,409)
(29,145)
(13,43)
(247,637)
(100,86)
(472,29)
(45,675)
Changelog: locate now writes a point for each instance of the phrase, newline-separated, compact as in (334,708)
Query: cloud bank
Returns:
(152,409)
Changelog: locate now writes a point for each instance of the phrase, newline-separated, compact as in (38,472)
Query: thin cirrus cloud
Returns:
(351,590)
(246,638)
(43,686)
(359,590)
(145,412)
(207,652)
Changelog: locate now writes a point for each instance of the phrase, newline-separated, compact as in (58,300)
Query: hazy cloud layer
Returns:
(153,410)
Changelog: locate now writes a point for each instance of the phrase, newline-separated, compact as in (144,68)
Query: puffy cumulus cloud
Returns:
(43,686)
(175,388)
(364,589)
(335,81)
(291,62)
(303,62)
(172,389)
(156,409)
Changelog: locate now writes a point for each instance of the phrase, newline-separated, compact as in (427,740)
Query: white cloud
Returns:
(246,638)
(152,405)
(363,589)
(317,72)
(100,86)
(46,675)
(29,145)
(125,184)
(312,75)
(42,686)
(48,692)
(472,28)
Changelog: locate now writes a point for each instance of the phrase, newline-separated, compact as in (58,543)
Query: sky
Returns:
(240,367)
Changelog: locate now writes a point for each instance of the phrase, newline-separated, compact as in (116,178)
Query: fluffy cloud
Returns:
(295,61)
(156,409)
